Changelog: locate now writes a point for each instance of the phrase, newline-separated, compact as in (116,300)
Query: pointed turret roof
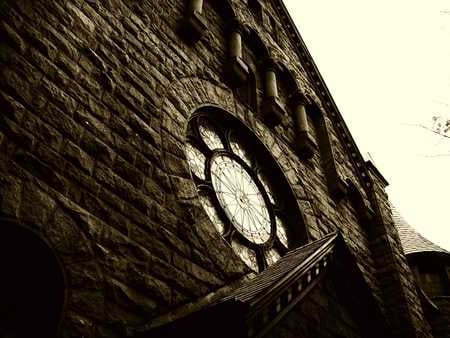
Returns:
(412,241)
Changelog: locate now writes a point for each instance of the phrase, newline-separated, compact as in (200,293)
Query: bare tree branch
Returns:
(427,128)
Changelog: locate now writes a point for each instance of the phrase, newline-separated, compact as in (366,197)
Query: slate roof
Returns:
(287,266)
(412,241)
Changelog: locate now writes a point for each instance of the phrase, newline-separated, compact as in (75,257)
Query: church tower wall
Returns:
(95,100)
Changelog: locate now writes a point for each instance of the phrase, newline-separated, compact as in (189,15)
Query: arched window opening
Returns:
(32,284)
(250,92)
(286,87)
(242,189)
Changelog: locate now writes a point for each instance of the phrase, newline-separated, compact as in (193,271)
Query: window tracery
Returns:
(242,201)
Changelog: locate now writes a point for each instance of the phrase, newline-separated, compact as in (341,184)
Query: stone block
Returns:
(97,148)
(128,172)
(77,156)
(10,195)
(16,133)
(11,108)
(62,122)
(37,206)
(10,36)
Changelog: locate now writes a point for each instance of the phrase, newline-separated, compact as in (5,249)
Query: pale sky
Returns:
(387,65)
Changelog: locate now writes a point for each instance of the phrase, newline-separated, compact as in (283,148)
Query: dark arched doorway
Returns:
(31,284)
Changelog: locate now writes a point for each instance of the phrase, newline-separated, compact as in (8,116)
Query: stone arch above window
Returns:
(242,189)
(32,286)
(250,92)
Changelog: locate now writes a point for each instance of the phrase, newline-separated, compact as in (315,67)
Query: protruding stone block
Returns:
(236,72)
(304,143)
(236,69)
(272,111)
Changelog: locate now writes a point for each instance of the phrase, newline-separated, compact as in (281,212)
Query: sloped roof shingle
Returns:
(265,280)
(412,241)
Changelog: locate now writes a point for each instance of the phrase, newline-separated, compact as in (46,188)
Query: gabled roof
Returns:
(269,296)
(252,309)
(295,274)
(412,241)
(291,266)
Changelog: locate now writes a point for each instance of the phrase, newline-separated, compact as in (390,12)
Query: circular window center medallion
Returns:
(241,198)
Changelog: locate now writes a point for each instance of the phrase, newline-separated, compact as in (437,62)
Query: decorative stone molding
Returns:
(272,111)
(193,24)
(305,145)
(236,70)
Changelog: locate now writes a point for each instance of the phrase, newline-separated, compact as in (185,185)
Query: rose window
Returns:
(237,182)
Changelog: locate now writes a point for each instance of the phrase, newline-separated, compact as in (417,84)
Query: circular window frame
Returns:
(261,162)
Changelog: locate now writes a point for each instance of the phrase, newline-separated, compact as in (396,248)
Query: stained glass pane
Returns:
(272,256)
(239,151)
(210,137)
(281,232)
(196,161)
(241,199)
(266,188)
(246,254)
(212,214)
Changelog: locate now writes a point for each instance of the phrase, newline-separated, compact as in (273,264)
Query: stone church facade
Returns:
(179,168)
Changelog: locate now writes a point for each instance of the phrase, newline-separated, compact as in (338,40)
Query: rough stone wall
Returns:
(94,98)
(82,156)
(404,310)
